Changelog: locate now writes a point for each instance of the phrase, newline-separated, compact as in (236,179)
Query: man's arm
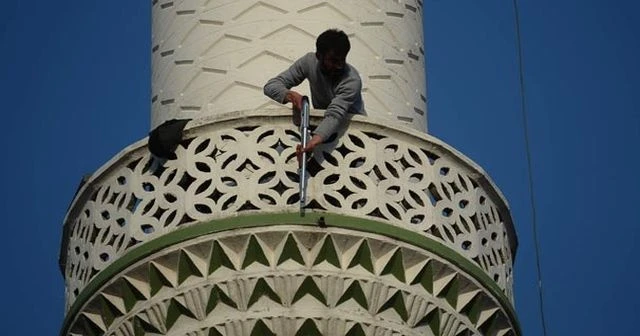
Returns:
(278,88)
(347,94)
(335,115)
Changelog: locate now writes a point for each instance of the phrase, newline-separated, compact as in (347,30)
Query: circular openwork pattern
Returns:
(248,165)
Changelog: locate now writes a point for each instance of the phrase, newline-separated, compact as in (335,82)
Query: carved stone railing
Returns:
(244,163)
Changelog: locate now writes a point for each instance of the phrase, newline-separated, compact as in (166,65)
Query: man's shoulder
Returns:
(305,63)
(353,72)
(308,59)
(352,76)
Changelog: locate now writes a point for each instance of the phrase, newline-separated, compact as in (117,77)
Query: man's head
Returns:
(332,47)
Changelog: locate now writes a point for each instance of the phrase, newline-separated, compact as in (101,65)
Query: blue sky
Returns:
(75,83)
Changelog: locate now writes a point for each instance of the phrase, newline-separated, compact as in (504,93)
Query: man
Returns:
(335,85)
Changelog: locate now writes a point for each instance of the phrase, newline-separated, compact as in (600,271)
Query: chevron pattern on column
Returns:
(214,56)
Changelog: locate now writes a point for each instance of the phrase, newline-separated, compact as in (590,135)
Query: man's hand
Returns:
(315,141)
(295,99)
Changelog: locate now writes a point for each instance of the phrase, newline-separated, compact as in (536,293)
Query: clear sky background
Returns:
(74,90)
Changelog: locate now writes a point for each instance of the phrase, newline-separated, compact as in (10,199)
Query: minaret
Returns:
(402,235)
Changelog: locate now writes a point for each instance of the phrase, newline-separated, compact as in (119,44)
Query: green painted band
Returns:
(309,219)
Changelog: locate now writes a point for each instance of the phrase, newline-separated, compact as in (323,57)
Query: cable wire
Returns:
(525,126)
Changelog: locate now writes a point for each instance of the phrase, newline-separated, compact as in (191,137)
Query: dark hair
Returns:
(333,39)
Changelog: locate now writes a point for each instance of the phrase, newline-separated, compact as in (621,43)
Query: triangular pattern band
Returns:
(283,279)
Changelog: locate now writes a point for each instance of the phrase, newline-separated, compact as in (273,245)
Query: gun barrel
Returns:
(304,137)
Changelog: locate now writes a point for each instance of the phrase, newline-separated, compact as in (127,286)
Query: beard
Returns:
(333,74)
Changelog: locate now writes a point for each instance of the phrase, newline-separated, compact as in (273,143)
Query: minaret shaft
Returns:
(402,235)
(213,57)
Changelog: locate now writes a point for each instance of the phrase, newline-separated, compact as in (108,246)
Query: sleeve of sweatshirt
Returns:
(335,115)
(276,88)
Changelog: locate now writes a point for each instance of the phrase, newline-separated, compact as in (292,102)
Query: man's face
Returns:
(332,63)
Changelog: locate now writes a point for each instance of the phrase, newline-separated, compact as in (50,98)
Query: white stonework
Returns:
(401,234)
(281,281)
(211,57)
(244,163)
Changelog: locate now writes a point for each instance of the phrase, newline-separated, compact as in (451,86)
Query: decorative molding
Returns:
(292,279)
(237,165)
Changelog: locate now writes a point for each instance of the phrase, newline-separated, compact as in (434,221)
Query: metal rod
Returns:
(304,138)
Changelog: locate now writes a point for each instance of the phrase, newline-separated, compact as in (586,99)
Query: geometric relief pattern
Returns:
(206,53)
(313,281)
(224,169)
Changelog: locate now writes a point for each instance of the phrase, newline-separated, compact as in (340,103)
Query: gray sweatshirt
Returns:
(338,97)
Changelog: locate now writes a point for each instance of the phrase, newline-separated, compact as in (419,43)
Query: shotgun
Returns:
(304,138)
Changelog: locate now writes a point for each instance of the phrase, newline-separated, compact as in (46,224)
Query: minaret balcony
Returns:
(244,164)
